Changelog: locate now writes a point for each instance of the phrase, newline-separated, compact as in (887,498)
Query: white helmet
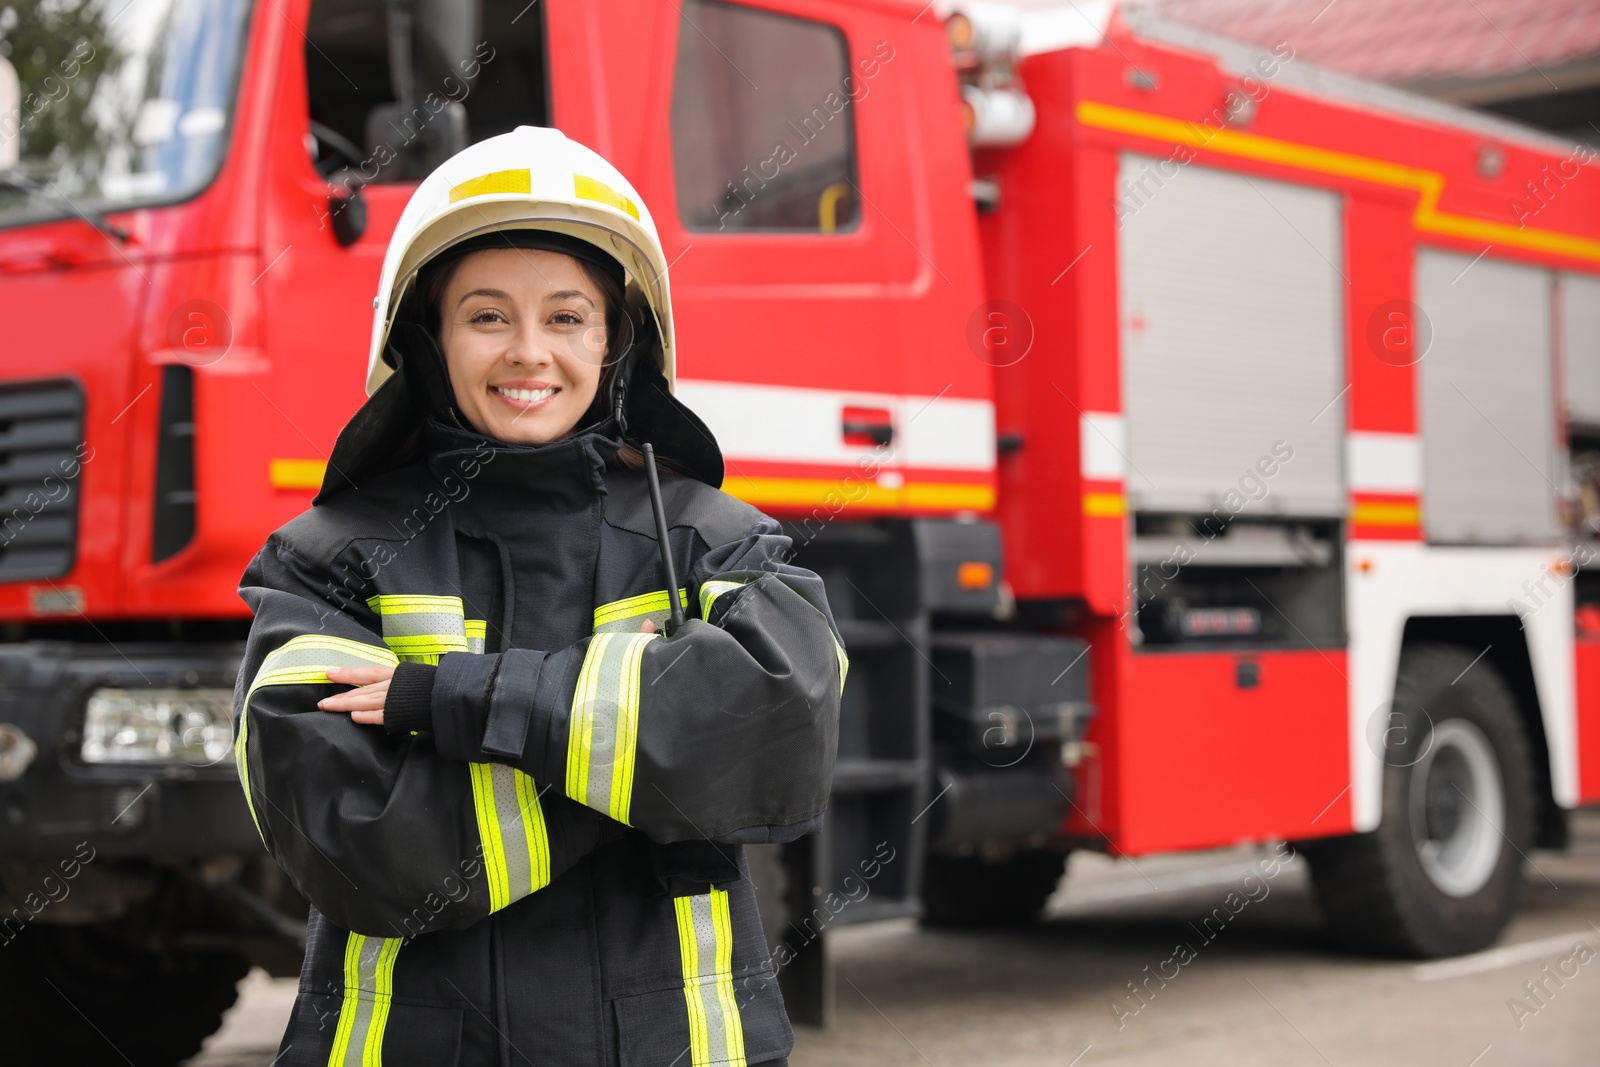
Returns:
(531,178)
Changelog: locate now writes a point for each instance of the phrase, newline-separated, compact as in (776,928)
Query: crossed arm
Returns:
(534,758)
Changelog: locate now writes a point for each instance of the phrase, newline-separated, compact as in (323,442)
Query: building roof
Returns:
(1407,41)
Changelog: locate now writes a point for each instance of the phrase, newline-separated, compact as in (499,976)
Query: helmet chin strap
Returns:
(620,388)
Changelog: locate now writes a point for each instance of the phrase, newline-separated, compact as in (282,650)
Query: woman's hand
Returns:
(364,704)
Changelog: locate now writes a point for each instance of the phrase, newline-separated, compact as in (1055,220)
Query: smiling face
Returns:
(524,338)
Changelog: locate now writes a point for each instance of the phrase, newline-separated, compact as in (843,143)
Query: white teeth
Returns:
(527,396)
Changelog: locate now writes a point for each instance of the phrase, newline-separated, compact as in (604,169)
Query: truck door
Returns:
(804,164)
(369,103)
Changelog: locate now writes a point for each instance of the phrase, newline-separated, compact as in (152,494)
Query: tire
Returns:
(968,892)
(110,1002)
(1442,873)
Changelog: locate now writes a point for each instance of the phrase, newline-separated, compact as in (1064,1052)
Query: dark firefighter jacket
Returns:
(538,861)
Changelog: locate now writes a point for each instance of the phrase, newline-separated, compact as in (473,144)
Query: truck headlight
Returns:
(190,726)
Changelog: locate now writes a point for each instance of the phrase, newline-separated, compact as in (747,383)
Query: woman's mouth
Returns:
(525,399)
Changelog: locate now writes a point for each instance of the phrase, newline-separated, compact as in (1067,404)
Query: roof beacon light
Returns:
(992,31)
(1000,117)
(986,42)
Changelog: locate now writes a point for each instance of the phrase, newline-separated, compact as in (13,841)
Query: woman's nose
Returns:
(528,348)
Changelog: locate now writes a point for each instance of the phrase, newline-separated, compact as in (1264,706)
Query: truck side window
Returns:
(396,89)
(763,134)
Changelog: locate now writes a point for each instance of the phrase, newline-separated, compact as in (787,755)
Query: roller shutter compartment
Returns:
(1488,433)
(1232,337)
(1580,347)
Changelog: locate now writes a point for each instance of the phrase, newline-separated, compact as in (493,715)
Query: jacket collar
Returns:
(565,473)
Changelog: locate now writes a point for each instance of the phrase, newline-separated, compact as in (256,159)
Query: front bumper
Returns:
(168,810)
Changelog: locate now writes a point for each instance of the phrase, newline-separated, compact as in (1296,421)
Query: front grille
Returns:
(41,434)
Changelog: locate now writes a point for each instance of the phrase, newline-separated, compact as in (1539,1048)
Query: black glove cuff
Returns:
(410,702)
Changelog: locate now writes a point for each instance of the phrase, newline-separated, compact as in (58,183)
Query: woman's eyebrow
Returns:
(492,294)
(500,294)
(562,294)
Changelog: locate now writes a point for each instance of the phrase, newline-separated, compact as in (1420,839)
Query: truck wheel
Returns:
(965,891)
(109,998)
(1442,873)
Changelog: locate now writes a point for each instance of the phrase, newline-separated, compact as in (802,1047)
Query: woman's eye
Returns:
(568,318)
(486,316)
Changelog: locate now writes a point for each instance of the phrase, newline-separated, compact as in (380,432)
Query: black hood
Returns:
(386,432)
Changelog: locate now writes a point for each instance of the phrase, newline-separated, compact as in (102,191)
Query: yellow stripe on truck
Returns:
(1376,513)
(1428,184)
(296,473)
(1103,505)
(835,494)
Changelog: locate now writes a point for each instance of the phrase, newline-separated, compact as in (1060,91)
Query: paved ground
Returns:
(1265,989)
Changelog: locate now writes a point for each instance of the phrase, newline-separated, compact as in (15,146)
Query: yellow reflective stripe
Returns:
(705,945)
(627,729)
(301,660)
(580,725)
(591,189)
(477,632)
(421,646)
(383,996)
(709,591)
(844,664)
(368,992)
(534,831)
(609,616)
(413,603)
(516,843)
(733,1026)
(420,627)
(494,856)
(603,725)
(500,181)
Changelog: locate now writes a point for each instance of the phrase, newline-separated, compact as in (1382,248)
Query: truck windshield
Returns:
(113,103)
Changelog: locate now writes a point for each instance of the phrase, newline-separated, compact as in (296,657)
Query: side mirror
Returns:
(10,114)
(347,211)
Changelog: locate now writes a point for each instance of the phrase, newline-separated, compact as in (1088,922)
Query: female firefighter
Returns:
(520,832)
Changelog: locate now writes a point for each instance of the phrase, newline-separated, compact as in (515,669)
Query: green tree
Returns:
(63,53)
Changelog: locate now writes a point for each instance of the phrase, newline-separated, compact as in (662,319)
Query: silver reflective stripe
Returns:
(709,591)
(322,652)
(629,615)
(508,812)
(421,627)
(302,660)
(633,623)
(705,939)
(603,744)
(368,989)
(604,723)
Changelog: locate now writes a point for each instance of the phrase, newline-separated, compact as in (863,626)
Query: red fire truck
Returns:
(1199,447)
